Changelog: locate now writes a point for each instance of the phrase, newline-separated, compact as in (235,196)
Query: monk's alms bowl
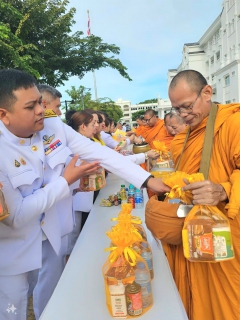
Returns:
(141,148)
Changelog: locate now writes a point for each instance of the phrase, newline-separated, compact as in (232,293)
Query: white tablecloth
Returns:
(80,293)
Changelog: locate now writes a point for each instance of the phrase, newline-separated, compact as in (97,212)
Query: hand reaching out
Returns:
(73,173)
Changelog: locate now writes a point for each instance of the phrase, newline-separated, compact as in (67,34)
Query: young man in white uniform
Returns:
(36,186)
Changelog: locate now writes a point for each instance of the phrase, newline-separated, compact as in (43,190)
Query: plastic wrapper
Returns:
(206,233)
(3,206)
(175,181)
(93,182)
(126,274)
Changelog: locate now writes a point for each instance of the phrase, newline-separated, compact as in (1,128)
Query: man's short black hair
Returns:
(193,78)
(10,81)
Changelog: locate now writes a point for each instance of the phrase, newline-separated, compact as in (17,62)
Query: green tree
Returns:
(83,100)
(13,53)
(148,101)
(137,114)
(44,29)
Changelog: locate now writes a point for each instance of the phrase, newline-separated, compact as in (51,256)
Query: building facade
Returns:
(161,107)
(216,55)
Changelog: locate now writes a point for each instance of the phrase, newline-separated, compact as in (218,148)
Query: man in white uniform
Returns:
(50,98)
(36,185)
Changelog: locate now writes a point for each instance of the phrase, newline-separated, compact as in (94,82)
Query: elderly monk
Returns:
(176,123)
(209,291)
(156,130)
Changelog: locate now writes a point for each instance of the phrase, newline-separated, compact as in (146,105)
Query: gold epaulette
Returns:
(48,113)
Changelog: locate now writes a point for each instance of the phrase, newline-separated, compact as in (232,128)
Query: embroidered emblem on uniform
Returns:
(47,139)
(52,147)
(11,308)
(48,113)
(22,161)
(17,164)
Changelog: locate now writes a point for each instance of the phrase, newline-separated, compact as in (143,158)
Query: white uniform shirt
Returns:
(38,198)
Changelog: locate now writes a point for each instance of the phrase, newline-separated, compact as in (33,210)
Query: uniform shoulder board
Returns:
(48,113)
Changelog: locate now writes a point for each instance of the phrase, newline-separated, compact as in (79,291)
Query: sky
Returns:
(151,35)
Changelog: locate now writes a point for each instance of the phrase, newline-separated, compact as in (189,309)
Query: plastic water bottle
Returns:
(131,198)
(138,199)
(146,254)
(142,277)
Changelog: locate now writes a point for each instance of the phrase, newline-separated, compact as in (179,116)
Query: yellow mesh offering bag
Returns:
(124,296)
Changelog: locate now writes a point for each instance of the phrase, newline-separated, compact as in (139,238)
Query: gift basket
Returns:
(126,272)
(3,206)
(206,233)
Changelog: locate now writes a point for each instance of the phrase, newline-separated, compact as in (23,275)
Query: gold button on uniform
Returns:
(34,148)
(42,223)
(22,141)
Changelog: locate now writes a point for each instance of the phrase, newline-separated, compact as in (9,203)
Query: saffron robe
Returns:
(158,132)
(140,131)
(211,291)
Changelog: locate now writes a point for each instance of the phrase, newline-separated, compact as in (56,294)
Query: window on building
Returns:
(228,101)
(233,73)
(233,100)
(212,59)
(227,80)
(218,55)
(212,77)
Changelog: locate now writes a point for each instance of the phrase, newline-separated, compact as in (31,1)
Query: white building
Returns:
(216,55)
(161,107)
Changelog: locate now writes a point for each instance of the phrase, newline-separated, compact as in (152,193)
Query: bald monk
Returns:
(174,123)
(210,291)
(156,130)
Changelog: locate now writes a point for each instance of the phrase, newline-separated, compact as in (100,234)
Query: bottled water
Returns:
(146,254)
(142,277)
(138,199)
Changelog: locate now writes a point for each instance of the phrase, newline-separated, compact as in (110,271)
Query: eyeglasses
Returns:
(188,109)
(147,120)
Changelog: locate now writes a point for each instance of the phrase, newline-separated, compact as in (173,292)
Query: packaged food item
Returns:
(206,232)
(93,182)
(118,300)
(134,299)
(207,235)
(3,206)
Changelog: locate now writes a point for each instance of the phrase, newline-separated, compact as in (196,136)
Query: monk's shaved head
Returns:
(150,113)
(178,119)
(193,78)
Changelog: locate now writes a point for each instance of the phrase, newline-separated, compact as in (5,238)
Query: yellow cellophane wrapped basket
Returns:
(119,270)
(206,233)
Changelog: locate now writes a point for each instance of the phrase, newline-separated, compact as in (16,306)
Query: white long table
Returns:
(80,293)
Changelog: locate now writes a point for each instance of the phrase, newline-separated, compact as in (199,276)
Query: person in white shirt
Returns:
(37,188)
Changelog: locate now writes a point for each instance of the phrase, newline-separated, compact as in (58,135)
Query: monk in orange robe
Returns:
(156,130)
(209,291)
(141,127)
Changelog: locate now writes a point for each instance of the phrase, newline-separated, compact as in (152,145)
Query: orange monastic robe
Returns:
(140,131)
(211,291)
(158,132)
